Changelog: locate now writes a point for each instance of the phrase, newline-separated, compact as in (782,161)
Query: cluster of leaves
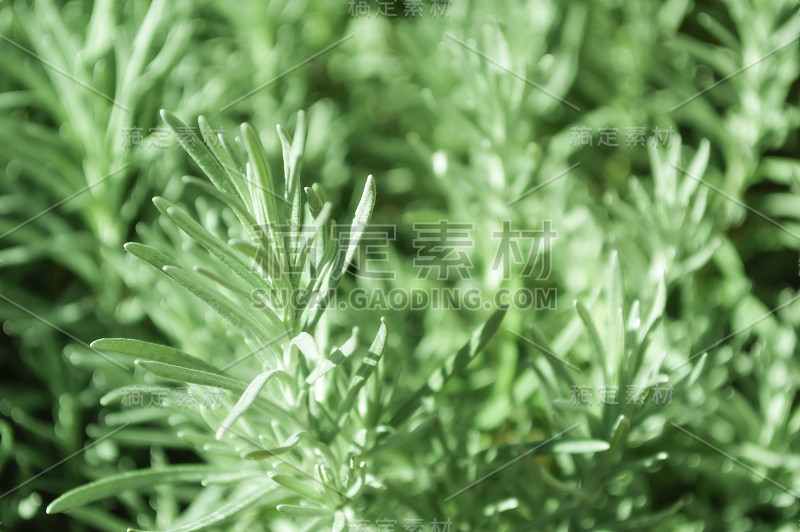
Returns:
(78,80)
(331,410)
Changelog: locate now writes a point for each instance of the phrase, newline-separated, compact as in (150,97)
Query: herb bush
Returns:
(230,355)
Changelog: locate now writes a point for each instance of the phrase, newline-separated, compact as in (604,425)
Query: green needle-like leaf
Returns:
(314,201)
(303,511)
(112,485)
(360,221)
(594,336)
(238,316)
(297,486)
(326,365)
(249,396)
(236,205)
(197,149)
(151,256)
(366,368)
(226,157)
(191,376)
(224,513)
(545,447)
(150,351)
(261,186)
(464,356)
(287,446)
(236,262)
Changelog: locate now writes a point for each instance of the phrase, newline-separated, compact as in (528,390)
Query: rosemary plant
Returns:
(301,420)
(652,385)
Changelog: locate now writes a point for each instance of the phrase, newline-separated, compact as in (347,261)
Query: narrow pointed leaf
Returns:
(286,150)
(545,447)
(580,446)
(464,356)
(696,170)
(333,272)
(191,376)
(287,446)
(224,513)
(303,511)
(349,346)
(305,343)
(299,487)
(209,241)
(241,317)
(326,365)
(319,227)
(151,256)
(236,205)
(594,336)
(261,186)
(360,220)
(314,202)
(555,363)
(366,368)
(198,151)
(690,378)
(476,344)
(130,480)
(338,356)
(236,288)
(618,439)
(225,157)
(249,396)
(150,351)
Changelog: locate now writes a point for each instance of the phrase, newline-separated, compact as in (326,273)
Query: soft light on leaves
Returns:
(305,343)
(297,486)
(153,257)
(192,376)
(303,511)
(236,262)
(151,351)
(360,221)
(197,149)
(594,336)
(224,513)
(260,182)
(464,356)
(366,368)
(326,365)
(314,202)
(579,446)
(238,316)
(287,446)
(249,396)
(112,485)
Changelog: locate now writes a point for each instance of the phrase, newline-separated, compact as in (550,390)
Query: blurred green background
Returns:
(459,110)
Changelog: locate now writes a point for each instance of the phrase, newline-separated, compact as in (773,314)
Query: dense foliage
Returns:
(527,265)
